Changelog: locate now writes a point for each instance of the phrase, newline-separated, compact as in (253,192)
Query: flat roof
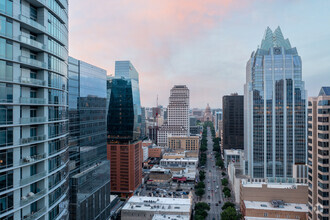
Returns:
(293,207)
(232,152)
(265,218)
(245,183)
(157,204)
(170,217)
(182,159)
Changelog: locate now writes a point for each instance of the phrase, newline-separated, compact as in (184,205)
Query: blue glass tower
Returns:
(124,113)
(275,109)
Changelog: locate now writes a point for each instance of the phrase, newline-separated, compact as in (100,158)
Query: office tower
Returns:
(178,107)
(178,115)
(217,121)
(88,166)
(233,121)
(208,114)
(275,110)
(124,129)
(143,123)
(33,109)
(318,155)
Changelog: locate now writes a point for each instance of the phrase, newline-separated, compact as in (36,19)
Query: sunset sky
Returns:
(203,44)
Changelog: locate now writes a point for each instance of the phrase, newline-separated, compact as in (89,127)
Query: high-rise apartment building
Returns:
(33,109)
(233,121)
(124,147)
(89,168)
(275,110)
(318,155)
(178,122)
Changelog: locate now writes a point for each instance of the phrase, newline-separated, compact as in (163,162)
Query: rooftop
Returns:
(158,204)
(192,159)
(293,207)
(325,90)
(246,183)
(232,152)
(170,217)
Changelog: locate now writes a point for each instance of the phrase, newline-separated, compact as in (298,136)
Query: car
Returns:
(209,204)
(216,204)
(209,188)
(219,201)
(208,196)
(217,187)
(215,190)
(213,180)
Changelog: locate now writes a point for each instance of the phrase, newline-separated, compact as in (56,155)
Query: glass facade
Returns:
(124,112)
(87,141)
(275,109)
(33,109)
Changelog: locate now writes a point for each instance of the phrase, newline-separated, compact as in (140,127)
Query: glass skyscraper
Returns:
(33,109)
(88,166)
(124,113)
(275,110)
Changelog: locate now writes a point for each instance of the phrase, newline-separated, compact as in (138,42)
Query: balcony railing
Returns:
(35,215)
(33,81)
(32,197)
(32,62)
(33,178)
(33,139)
(32,23)
(33,120)
(34,158)
(31,42)
(28,100)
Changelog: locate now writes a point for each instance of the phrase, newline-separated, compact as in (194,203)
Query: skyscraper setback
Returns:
(275,109)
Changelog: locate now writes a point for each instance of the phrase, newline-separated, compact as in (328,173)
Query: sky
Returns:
(204,44)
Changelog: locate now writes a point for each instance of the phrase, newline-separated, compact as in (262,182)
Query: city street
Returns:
(212,180)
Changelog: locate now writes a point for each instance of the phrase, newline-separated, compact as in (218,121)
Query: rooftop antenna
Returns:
(157,101)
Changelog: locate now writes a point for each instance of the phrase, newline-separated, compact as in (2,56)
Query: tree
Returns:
(224,182)
(200,192)
(220,163)
(201,212)
(202,205)
(199,217)
(200,185)
(223,173)
(228,204)
(226,191)
(230,214)
(202,175)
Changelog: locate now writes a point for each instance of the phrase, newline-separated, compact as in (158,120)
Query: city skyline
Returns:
(173,43)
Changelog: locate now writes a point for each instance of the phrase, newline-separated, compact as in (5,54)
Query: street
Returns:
(212,180)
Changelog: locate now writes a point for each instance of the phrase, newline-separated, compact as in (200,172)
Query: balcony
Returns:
(32,62)
(31,159)
(32,23)
(33,139)
(35,215)
(33,178)
(32,81)
(33,120)
(30,197)
(28,100)
(30,42)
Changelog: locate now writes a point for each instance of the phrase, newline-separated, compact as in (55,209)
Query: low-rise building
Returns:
(155,151)
(182,162)
(166,130)
(173,155)
(159,174)
(145,154)
(183,143)
(276,209)
(170,217)
(232,155)
(144,208)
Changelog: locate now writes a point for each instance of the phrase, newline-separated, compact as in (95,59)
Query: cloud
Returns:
(147,32)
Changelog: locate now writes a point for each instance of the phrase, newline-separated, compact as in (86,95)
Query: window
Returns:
(6,70)
(33,13)
(265,214)
(6,6)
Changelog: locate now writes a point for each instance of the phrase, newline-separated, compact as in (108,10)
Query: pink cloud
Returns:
(147,32)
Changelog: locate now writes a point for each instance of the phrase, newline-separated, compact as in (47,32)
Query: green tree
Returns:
(202,175)
(220,163)
(202,205)
(200,185)
(201,212)
(199,217)
(224,182)
(200,192)
(228,204)
(227,194)
(230,214)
